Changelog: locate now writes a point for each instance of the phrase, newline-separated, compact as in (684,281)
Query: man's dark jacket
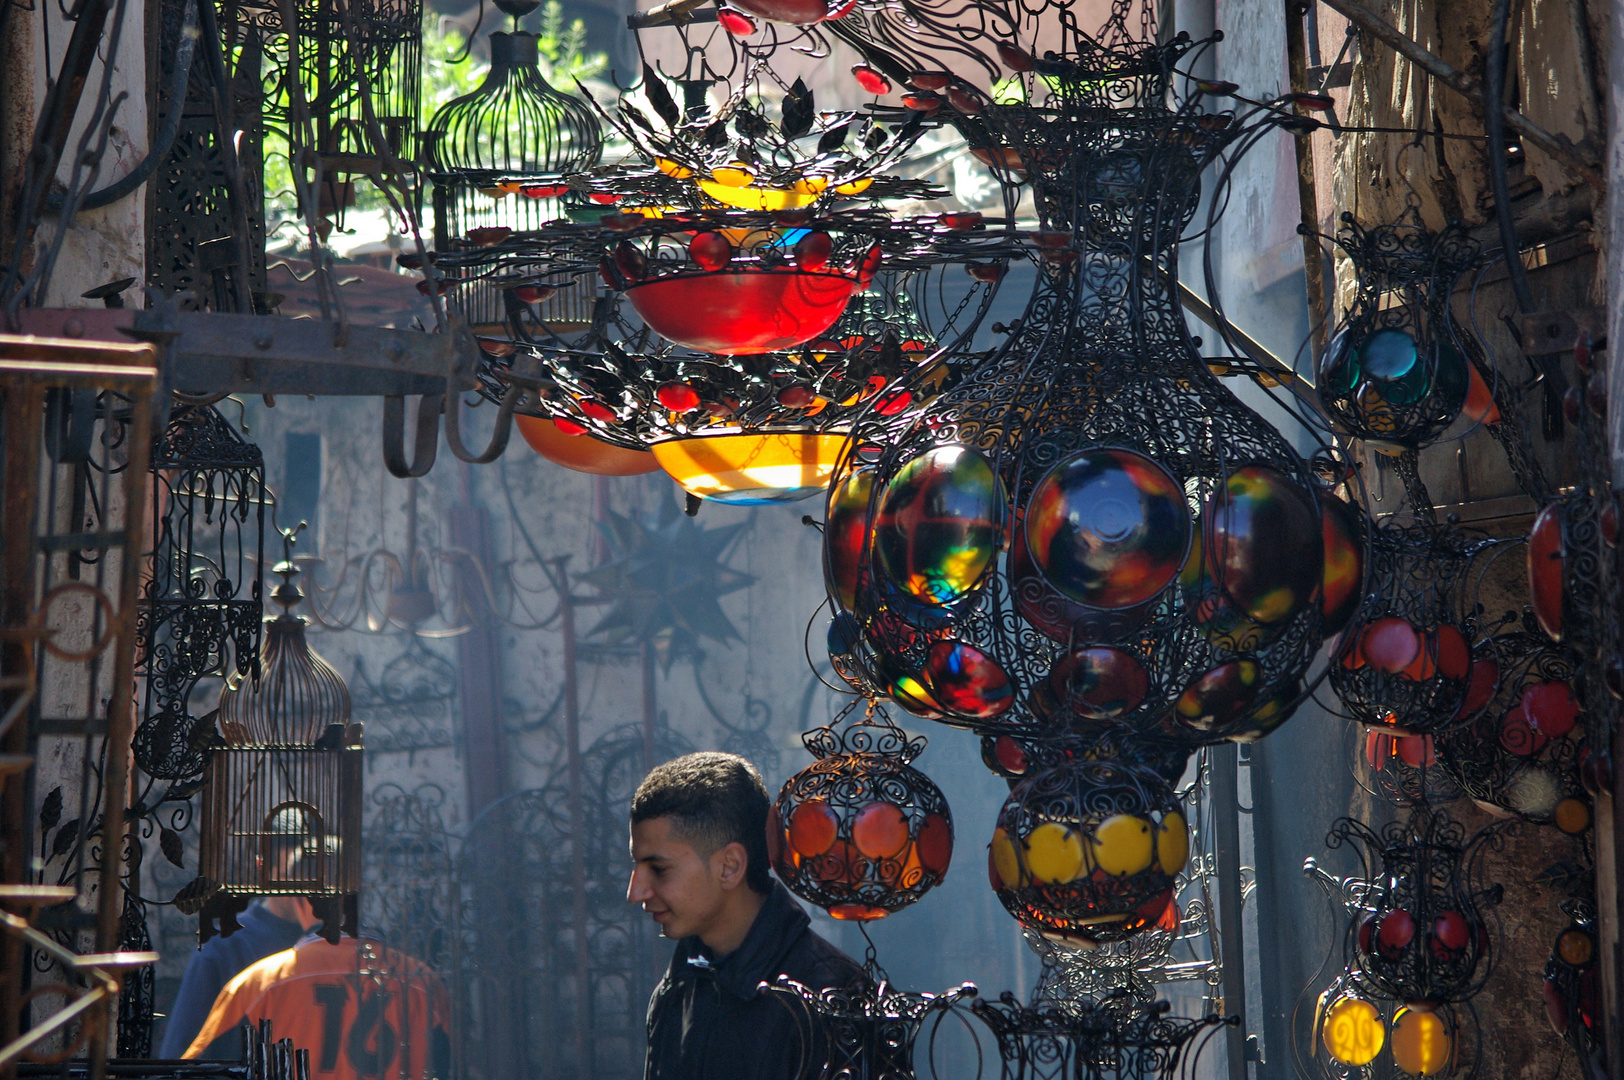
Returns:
(706,1019)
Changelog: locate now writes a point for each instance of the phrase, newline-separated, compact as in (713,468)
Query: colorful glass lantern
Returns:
(745,312)
(1423,933)
(1089,851)
(1400,366)
(860,832)
(1125,569)
(1521,751)
(1406,658)
(580,451)
(752,469)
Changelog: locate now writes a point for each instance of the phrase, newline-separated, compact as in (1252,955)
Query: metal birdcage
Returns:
(515,123)
(282,814)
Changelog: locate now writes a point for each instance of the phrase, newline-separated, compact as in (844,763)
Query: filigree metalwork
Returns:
(1426,923)
(1091,1040)
(202,603)
(865,1032)
(1099,374)
(1088,852)
(860,832)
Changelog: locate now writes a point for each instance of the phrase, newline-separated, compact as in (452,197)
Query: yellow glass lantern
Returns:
(752,469)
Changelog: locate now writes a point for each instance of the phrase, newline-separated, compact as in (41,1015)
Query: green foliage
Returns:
(448,72)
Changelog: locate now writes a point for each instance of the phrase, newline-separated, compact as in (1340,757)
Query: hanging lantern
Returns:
(1089,530)
(860,832)
(756,288)
(1089,851)
(1572,988)
(1400,367)
(1521,752)
(1422,935)
(1406,658)
(282,814)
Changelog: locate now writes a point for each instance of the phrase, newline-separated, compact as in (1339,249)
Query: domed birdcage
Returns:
(282,814)
(515,123)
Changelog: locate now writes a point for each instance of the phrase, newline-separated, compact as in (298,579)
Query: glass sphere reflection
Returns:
(936,528)
(1108,528)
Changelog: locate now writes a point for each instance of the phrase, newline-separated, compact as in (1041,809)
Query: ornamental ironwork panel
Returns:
(202,604)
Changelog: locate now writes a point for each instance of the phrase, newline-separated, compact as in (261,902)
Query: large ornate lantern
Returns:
(761,294)
(282,812)
(1089,530)
(860,832)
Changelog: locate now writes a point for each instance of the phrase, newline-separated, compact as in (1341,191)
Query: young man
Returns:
(699,855)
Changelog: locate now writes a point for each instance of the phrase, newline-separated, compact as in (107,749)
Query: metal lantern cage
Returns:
(282,814)
(516,123)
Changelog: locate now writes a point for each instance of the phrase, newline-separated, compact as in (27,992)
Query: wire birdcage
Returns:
(282,816)
(515,123)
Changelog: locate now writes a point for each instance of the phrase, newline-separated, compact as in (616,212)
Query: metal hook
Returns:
(425,443)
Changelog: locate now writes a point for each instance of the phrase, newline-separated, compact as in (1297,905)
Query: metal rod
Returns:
(1226,836)
(1579,159)
(577,814)
(1307,196)
(1494,123)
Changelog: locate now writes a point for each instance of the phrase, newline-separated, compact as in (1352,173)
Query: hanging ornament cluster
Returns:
(1400,368)
(1522,751)
(860,832)
(1572,987)
(758,292)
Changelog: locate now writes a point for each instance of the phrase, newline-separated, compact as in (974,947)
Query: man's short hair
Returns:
(712,799)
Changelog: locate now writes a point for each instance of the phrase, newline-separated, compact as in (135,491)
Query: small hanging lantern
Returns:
(1406,657)
(1400,368)
(860,832)
(1089,851)
(1422,936)
(1521,752)
(282,815)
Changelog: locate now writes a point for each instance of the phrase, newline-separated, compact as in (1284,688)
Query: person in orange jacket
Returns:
(364,1011)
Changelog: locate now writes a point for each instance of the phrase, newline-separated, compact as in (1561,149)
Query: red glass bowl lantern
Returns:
(1089,851)
(1405,660)
(1572,988)
(1423,934)
(860,832)
(582,453)
(735,313)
